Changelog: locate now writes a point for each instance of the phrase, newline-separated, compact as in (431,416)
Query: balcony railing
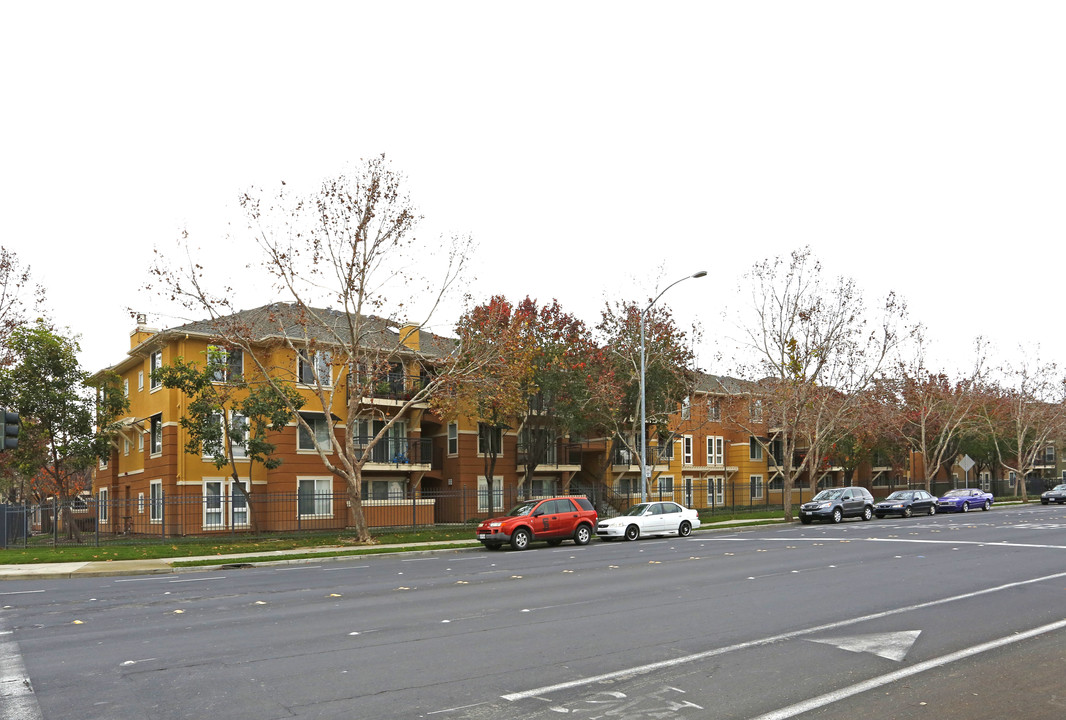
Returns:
(399,451)
(393,386)
(554,454)
(661,455)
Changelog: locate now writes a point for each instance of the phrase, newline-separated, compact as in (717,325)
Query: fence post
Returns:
(55,522)
(162,514)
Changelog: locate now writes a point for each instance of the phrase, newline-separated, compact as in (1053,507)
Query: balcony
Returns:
(554,455)
(398,451)
(393,386)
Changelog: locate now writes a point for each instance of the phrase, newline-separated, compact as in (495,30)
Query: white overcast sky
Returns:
(594,150)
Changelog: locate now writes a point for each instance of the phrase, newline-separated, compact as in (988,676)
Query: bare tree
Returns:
(814,352)
(929,411)
(347,258)
(1025,415)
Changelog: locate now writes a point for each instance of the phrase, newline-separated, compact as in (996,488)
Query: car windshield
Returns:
(1060,488)
(637,509)
(522,509)
(830,494)
(957,493)
(899,495)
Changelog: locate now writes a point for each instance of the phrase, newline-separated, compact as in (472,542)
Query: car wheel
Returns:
(867,513)
(582,535)
(632,532)
(932,509)
(685,530)
(805,520)
(966,507)
(521,539)
(880,516)
(555,543)
(838,515)
(987,505)
(492,546)
(907,512)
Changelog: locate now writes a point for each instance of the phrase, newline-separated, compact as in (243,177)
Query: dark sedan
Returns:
(906,503)
(965,500)
(1056,494)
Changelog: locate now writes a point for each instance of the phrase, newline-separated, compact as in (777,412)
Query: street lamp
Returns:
(643,418)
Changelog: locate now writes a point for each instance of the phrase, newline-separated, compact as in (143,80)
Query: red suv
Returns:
(554,520)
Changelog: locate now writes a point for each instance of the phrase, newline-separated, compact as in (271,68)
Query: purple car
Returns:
(965,500)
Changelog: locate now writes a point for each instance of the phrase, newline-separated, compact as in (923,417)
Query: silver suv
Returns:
(835,504)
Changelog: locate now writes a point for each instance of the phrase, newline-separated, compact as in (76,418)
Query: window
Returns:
(453,439)
(629,486)
(316,366)
(101,508)
(714,409)
(489,440)
(140,380)
(1049,455)
(140,503)
(686,450)
(686,409)
(665,486)
(238,430)
(715,450)
(155,364)
(125,446)
(155,501)
(755,410)
(716,491)
(140,441)
(156,435)
(315,497)
(228,364)
(383,490)
(756,487)
(483,495)
(778,483)
(103,463)
(320,429)
(542,487)
(126,387)
(754,449)
(222,498)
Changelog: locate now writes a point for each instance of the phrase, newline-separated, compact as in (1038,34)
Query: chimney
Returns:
(409,337)
(142,332)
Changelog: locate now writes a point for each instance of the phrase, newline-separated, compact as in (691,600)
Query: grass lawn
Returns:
(41,551)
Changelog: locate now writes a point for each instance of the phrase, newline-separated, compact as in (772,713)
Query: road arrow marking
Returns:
(890,645)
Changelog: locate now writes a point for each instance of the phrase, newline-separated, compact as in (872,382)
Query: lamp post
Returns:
(643,418)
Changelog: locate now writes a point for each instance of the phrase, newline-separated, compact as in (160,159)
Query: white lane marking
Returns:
(837,695)
(969,542)
(17,699)
(220,577)
(673,662)
(21,592)
(349,567)
(889,645)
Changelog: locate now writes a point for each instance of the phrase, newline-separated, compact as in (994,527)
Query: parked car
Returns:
(553,520)
(835,504)
(658,518)
(964,500)
(1056,494)
(906,503)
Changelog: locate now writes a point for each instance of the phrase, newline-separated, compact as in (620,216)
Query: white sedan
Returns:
(655,518)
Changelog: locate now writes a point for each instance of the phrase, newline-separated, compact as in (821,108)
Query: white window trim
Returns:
(313,450)
(306,356)
(686,450)
(755,482)
(155,385)
(140,381)
(153,519)
(483,493)
(316,479)
(448,439)
(660,491)
(102,506)
(755,447)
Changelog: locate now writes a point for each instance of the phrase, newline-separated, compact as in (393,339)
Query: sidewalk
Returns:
(161,566)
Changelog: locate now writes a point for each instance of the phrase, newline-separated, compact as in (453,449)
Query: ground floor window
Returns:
(155,501)
(384,489)
(101,512)
(664,487)
(756,487)
(314,497)
(542,487)
(716,490)
(483,504)
(628,486)
(224,504)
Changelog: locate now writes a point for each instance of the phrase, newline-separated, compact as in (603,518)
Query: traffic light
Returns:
(11,430)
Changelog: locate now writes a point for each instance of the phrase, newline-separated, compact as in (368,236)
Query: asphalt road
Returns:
(953,616)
